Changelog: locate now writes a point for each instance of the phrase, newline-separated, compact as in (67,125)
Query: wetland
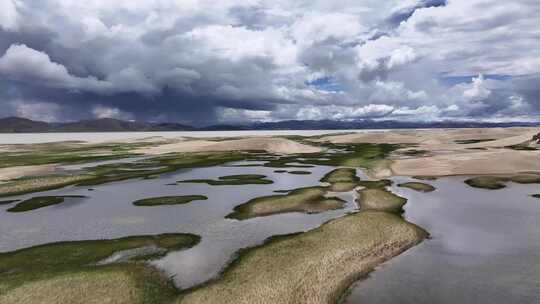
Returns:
(249,225)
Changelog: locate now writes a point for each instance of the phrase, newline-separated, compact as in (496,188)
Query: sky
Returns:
(205,62)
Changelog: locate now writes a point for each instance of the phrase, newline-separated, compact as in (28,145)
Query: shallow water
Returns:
(108,213)
(485,244)
(485,248)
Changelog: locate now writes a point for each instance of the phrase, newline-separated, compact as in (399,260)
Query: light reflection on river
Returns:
(108,213)
(485,244)
(485,248)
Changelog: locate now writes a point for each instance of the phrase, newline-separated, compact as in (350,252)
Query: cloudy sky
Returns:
(228,61)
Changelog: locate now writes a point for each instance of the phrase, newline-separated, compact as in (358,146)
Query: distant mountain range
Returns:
(23,125)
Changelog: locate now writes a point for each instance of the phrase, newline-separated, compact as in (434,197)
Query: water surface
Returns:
(108,212)
(485,248)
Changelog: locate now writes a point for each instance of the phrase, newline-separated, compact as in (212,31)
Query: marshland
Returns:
(316,218)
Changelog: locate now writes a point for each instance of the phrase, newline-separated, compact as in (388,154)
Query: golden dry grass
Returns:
(380,199)
(313,267)
(42,183)
(92,287)
(308,200)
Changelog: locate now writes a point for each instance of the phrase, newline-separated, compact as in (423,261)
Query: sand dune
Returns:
(269,144)
(446,156)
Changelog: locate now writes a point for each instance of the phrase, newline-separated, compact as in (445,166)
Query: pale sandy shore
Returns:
(314,267)
(445,155)
(20,171)
(268,144)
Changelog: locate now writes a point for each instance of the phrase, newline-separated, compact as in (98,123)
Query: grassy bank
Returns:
(118,284)
(42,183)
(307,200)
(67,272)
(381,200)
(312,267)
(341,180)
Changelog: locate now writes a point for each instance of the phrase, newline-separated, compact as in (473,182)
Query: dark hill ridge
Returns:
(18,125)
(23,125)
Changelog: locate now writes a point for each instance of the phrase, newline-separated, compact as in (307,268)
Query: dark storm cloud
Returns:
(405,13)
(203,62)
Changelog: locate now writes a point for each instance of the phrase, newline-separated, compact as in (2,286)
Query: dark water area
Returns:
(484,248)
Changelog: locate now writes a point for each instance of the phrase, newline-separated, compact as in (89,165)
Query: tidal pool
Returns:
(484,248)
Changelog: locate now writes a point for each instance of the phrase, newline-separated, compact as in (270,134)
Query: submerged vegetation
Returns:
(63,272)
(230,180)
(41,202)
(311,267)
(498,182)
(421,187)
(307,200)
(169,200)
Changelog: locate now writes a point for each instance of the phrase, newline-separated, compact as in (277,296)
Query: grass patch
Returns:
(375,184)
(522,147)
(119,284)
(298,172)
(40,202)
(381,200)
(498,182)
(425,177)
(169,200)
(307,200)
(35,184)
(421,187)
(67,255)
(363,155)
(148,168)
(66,272)
(67,153)
(341,180)
(316,266)
(472,141)
(231,180)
